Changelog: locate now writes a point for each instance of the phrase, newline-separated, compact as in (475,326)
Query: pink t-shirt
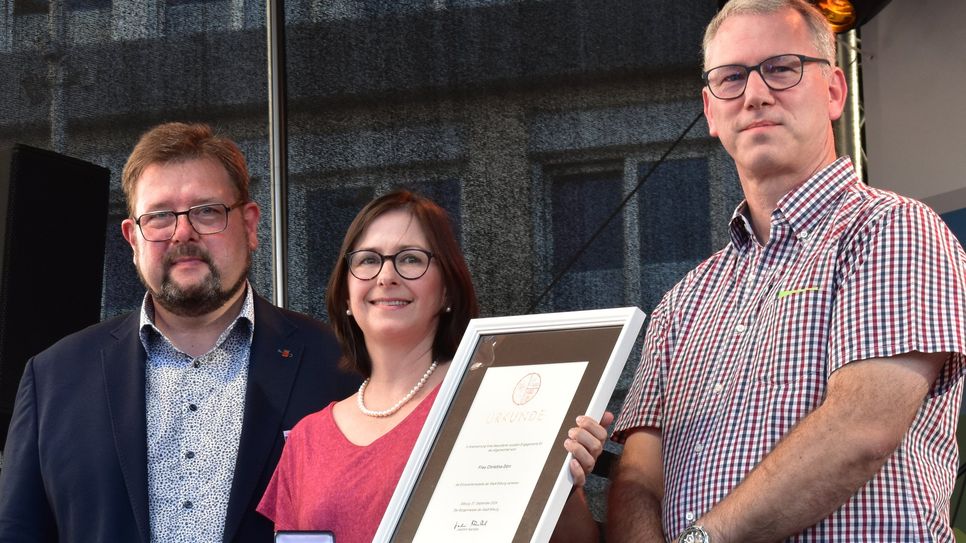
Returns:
(325,482)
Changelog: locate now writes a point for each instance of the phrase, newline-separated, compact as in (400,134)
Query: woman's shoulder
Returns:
(313,423)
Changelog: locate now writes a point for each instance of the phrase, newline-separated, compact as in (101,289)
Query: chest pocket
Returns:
(793,329)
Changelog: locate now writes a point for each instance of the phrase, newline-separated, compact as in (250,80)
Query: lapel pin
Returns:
(285,353)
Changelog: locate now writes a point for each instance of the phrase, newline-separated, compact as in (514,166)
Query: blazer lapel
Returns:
(272,366)
(123,363)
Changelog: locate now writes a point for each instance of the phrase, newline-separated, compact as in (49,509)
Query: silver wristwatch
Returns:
(694,534)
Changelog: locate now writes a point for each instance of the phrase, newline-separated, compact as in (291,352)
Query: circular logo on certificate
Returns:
(526,388)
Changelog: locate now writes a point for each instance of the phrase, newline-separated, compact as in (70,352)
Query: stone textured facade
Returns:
(529,120)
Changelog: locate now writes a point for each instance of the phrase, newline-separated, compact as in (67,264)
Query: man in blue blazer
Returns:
(165,425)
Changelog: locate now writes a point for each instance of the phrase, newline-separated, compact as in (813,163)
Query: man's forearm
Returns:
(637,489)
(806,477)
(832,453)
(633,514)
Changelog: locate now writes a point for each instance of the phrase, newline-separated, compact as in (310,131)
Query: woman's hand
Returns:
(586,441)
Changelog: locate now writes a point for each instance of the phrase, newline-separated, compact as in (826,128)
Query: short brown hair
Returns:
(818,26)
(177,142)
(460,295)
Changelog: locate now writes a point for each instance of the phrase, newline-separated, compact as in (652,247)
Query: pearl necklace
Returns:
(392,410)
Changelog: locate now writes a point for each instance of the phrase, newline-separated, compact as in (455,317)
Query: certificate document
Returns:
(490,463)
(489,476)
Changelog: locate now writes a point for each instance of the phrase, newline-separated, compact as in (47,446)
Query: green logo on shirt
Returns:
(783,293)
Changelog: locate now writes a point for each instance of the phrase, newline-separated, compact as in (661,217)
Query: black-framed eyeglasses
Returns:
(205,219)
(779,73)
(409,263)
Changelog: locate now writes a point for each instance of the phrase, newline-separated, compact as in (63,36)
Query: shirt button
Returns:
(803,235)
(189,455)
(740,328)
(187,504)
(689,516)
(192,407)
(197,363)
(698,448)
(718,387)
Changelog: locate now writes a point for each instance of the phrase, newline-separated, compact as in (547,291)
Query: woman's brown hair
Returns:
(460,295)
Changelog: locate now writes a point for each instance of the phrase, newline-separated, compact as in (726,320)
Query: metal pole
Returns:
(278,153)
(848,129)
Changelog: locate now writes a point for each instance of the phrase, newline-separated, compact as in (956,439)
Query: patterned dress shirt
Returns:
(194,420)
(742,349)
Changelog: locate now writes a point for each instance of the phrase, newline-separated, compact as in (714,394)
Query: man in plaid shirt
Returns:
(803,383)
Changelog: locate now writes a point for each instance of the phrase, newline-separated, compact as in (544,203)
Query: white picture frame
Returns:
(582,352)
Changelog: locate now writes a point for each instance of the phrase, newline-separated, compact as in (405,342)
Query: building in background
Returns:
(528,120)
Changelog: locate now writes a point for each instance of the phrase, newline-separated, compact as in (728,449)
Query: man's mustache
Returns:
(191,251)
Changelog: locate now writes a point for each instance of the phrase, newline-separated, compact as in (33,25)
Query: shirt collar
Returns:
(148,330)
(803,206)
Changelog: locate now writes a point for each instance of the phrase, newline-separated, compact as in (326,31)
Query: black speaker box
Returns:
(53,219)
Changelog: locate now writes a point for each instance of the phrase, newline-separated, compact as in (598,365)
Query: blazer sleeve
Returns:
(25,513)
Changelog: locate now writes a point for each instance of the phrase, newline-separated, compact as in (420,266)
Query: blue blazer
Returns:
(75,461)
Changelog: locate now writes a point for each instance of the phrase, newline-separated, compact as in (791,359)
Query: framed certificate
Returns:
(489,464)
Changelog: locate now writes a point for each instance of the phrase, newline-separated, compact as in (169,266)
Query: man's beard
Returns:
(196,300)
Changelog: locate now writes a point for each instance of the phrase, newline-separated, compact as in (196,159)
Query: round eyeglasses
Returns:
(779,73)
(205,219)
(409,263)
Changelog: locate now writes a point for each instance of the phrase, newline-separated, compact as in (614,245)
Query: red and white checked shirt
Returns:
(742,348)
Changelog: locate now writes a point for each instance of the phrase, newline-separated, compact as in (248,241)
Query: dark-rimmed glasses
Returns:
(779,73)
(409,263)
(205,219)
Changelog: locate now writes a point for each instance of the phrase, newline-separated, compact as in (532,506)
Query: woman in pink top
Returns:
(399,304)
